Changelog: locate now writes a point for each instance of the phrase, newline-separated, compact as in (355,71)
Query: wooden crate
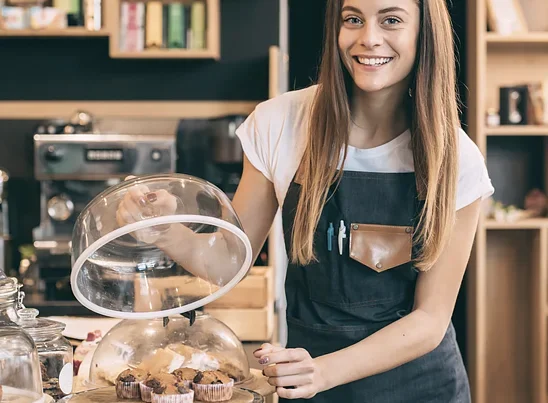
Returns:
(248,324)
(254,291)
(248,309)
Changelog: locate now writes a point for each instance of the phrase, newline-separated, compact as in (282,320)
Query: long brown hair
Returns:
(434,131)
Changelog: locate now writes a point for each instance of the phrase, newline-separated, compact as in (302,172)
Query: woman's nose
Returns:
(371,35)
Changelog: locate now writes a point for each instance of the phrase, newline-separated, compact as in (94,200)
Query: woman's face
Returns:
(378,41)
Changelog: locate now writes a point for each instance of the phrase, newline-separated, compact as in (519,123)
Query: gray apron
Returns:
(343,298)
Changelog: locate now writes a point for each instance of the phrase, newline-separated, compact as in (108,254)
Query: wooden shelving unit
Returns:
(111,23)
(518,39)
(125,109)
(68,32)
(517,131)
(212,51)
(508,273)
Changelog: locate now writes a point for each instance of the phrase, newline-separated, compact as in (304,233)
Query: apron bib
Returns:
(357,289)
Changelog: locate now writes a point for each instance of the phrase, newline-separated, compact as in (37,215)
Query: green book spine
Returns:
(176,36)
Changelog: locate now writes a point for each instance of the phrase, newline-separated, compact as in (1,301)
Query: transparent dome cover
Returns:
(20,377)
(157,346)
(157,245)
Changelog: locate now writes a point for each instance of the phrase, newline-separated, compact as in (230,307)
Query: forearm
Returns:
(205,255)
(398,343)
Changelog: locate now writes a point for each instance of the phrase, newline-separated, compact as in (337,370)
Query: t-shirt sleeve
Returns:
(474,182)
(254,138)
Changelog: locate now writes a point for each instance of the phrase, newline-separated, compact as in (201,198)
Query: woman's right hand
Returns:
(139,203)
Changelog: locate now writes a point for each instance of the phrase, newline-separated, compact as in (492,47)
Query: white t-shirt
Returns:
(274,135)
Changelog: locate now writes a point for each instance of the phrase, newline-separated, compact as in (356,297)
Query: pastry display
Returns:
(212,386)
(158,346)
(127,383)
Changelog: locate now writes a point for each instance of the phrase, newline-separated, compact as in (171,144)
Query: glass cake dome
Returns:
(155,246)
(20,373)
(160,345)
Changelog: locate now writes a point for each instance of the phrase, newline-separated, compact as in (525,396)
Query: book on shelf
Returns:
(54,14)
(158,25)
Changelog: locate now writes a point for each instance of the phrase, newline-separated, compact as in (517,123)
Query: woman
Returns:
(380,193)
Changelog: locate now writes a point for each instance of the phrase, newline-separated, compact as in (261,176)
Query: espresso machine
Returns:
(74,168)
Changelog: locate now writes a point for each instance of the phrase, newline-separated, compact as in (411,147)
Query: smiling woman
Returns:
(380,194)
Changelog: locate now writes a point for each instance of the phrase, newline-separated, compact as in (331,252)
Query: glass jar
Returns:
(54,351)
(20,378)
(11,298)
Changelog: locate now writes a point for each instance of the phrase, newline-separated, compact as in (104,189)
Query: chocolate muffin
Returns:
(127,383)
(173,393)
(185,375)
(212,386)
(156,383)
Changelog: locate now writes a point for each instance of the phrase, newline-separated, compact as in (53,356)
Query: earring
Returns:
(410,93)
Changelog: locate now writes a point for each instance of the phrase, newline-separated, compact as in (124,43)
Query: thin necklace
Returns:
(357,125)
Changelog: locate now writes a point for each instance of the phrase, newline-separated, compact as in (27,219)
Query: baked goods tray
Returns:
(108,395)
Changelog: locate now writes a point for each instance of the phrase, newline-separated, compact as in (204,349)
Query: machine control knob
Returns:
(60,207)
(156,155)
(52,154)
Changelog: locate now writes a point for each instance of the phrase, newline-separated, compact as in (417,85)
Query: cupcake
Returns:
(185,375)
(127,383)
(212,386)
(155,383)
(173,393)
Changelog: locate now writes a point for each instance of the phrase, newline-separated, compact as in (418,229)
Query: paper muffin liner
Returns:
(128,390)
(218,392)
(146,392)
(182,398)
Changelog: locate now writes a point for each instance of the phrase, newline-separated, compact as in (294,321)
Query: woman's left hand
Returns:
(294,373)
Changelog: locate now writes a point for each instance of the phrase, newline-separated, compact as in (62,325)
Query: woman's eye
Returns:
(392,20)
(353,20)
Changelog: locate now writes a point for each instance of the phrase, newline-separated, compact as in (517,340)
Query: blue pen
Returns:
(330,234)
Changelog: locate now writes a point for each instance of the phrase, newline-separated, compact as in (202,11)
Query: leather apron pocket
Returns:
(381,247)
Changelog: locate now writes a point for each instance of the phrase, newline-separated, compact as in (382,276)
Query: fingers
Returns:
(289,369)
(305,391)
(266,348)
(284,355)
(141,195)
(293,380)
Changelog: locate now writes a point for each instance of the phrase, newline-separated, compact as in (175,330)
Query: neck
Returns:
(378,117)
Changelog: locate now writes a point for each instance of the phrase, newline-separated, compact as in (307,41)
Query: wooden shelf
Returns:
(112,30)
(213,39)
(125,109)
(531,223)
(507,278)
(166,54)
(518,39)
(68,32)
(517,131)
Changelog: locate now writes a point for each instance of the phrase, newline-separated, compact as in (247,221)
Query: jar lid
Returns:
(38,327)
(8,286)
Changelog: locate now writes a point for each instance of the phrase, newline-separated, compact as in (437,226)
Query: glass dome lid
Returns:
(162,346)
(157,245)
(20,376)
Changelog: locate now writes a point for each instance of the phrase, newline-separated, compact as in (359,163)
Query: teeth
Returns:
(374,61)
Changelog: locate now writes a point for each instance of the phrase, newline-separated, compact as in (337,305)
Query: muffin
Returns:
(155,383)
(212,386)
(185,375)
(173,393)
(127,383)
